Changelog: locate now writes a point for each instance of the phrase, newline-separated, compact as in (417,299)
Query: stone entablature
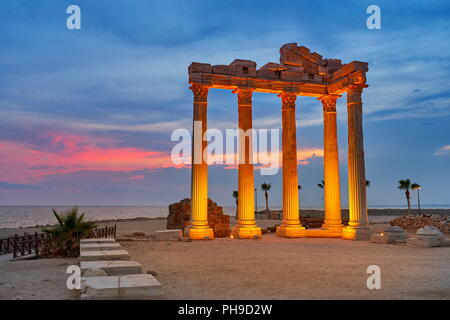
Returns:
(299,71)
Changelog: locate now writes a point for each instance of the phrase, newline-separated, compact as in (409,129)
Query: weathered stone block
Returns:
(381,239)
(173,234)
(104,255)
(196,67)
(293,76)
(94,272)
(136,286)
(224,69)
(244,68)
(179,215)
(139,286)
(111,268)
(99,246)
(423,243)
(349,68)
(100,288)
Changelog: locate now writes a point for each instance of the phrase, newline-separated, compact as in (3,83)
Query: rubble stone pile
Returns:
(415,222)
(179,216)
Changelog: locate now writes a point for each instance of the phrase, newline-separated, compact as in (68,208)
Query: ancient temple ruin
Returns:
(299,73)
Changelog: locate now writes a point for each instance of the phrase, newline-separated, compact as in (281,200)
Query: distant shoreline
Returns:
(304,213)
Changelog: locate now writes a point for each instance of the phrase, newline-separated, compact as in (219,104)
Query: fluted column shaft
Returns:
(199,228)
(333,220)
(290,226)
(358,222)
(246,225)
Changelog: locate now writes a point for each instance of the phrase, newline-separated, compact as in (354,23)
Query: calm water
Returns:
(26,216)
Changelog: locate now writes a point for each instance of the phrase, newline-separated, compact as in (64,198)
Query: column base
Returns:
(291,231)
(199,233)
(241,232)
(333,227)
(356,233)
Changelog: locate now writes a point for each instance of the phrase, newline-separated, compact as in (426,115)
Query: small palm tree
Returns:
(266,187)
(416,186)
(406,185)
(236,196)
(67,233)
(321,185)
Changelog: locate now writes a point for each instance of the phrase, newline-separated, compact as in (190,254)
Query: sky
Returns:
(86,115)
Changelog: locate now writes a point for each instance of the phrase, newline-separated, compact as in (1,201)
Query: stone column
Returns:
(290,225)
(246,226)
(199,228)
(333,220)
(358,228)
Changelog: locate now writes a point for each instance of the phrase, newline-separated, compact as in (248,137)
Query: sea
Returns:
(30,216)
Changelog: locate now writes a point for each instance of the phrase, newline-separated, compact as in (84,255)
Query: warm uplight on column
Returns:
(333,220)
(358,228)
(199,228)
(290,226)
(246,226)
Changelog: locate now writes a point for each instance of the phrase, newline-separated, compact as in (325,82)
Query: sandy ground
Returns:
(270,268)
(35,279)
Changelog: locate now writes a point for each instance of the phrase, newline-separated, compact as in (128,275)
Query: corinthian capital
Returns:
(244,96)
(288,100)
(200,92)
(329,102)
(354,93)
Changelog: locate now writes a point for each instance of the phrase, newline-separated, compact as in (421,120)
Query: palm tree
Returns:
(67,233)
(266,187)
(321,186)
(236,196)
(367,183)
(416,186)
(406,185)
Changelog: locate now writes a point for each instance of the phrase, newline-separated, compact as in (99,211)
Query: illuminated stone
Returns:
(290,225)
(305,73)
(199,228)
(358,227)
(333,220)
(246,226)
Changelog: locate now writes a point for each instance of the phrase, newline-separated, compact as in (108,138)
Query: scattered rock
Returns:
(415,222)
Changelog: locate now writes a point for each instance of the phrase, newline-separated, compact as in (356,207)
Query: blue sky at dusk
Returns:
(86,115)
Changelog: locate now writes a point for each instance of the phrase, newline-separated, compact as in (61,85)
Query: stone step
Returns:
(171,234)
(97,240)
(104,255)
(112,268)
(99,246)
(134,286)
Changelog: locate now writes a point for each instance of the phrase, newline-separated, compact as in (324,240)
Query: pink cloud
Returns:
(28,163)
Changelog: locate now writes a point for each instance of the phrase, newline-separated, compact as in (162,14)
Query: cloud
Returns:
(66,153)
(443,151)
